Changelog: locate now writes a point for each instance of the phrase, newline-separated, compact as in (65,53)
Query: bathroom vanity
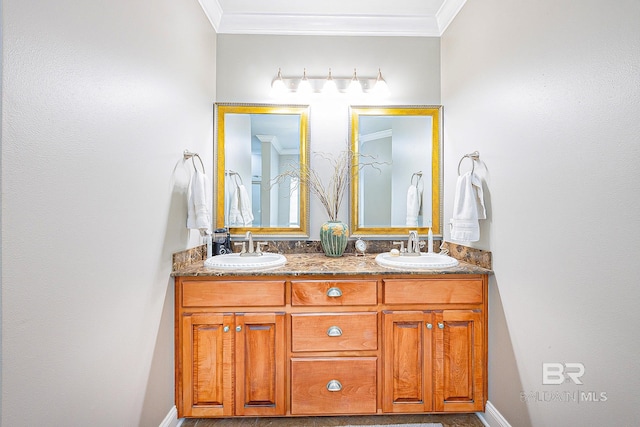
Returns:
(330,336)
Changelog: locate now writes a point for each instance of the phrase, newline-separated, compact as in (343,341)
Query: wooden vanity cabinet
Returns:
(434,352)
(297,346)
(229,362)
(334,347)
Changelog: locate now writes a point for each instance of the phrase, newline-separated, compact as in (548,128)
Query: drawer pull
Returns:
(334,385)
(334,293)
(429,326)
(226,328)
(238,328)
(334,331)
(440,325)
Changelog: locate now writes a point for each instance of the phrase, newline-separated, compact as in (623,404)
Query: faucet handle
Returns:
(259,246)
(402,250)
(244,248)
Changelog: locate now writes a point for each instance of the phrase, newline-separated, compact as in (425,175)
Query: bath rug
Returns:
(397,425)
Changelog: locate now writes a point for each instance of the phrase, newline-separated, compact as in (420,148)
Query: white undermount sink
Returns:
(236,262)
(414,262)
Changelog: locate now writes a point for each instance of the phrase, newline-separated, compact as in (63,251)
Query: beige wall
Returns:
(99,100)
(247,64)
(549,93)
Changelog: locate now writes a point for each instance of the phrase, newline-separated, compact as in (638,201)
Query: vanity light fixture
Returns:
(355,88)
(278,87)
(355,85)
(304,88)
(330,87)
(380,88)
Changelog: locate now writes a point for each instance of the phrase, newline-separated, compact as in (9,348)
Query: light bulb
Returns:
(278,88)
(330,87)
(380,88)
(355,88)
(304,88)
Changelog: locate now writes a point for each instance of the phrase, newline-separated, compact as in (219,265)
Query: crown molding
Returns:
(213,10)
(344,25)
(447,12)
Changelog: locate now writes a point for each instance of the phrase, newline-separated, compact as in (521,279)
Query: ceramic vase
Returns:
(333,237)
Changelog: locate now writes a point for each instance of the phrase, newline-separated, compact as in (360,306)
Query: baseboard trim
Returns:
(491,417)
(171,420)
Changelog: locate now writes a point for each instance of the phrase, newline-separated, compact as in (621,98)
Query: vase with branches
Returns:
(333,233)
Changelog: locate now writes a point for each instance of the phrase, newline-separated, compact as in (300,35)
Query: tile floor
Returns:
(457,420)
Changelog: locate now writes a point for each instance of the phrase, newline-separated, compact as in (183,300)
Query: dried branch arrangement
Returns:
(332,194)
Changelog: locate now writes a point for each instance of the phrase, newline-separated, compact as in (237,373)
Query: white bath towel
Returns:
(468,208)
(413,206)
(198,215)
(240,207)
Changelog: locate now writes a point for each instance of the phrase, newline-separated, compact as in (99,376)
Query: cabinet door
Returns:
(459,361)
(207,365)
(260,364)
(408,382)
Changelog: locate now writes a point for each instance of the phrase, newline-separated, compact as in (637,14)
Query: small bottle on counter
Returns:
(430,241)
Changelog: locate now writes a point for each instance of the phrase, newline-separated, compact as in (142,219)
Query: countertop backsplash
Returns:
(463,253)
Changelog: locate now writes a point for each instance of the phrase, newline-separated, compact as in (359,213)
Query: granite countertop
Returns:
(319,264)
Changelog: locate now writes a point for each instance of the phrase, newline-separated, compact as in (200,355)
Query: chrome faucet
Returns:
(251,251)
(249,237)
(413,244)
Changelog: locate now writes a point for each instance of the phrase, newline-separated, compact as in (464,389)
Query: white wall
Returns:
(549,93)
(99,100)
(247,65)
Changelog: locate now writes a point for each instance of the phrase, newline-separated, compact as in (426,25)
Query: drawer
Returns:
(340,385)
(334,331)
(433,291)
(228,293)
(334,292)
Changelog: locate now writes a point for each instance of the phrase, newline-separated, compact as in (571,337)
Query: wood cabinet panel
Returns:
(334,292)
(433,291)
(258,293)
(353,390)
(207,365)
(407,345)
(334,331)
(459,359)
(260,364)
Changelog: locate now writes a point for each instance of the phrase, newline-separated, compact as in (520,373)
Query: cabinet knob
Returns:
(334,331)
(238,328)
(334,385)
(440,325)
(429,326)
(334,293)
(226,328)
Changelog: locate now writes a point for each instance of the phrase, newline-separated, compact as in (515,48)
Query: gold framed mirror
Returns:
(255,143)
(404,192)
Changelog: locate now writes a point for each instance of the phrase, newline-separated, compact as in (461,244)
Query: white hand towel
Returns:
(198,215)
(240,207)
(245,206)
(413,206)
(468,208)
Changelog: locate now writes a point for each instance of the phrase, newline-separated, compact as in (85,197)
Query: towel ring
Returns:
(188,155)
(419,175)
(473,156)
(235,176)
